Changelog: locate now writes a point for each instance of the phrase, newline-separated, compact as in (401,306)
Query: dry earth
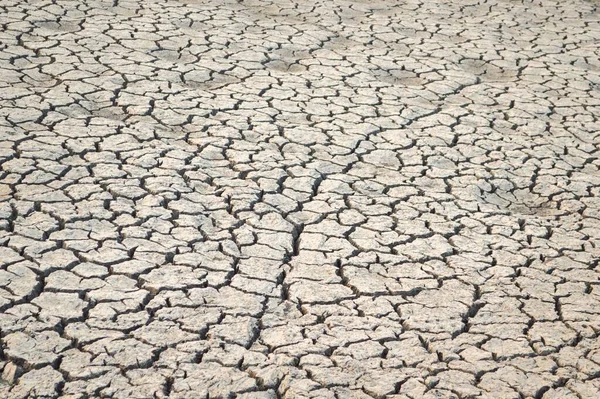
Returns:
(299,199)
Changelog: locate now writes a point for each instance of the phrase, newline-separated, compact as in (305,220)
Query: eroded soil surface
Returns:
(299,199)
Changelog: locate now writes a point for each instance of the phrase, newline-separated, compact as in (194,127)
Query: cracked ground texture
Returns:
(299,199)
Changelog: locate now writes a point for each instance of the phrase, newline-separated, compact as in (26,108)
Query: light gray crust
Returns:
(299,199)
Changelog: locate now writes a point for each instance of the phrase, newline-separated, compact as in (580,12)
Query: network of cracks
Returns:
(299,199)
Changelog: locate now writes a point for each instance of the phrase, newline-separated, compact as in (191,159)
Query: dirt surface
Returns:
(299,199)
